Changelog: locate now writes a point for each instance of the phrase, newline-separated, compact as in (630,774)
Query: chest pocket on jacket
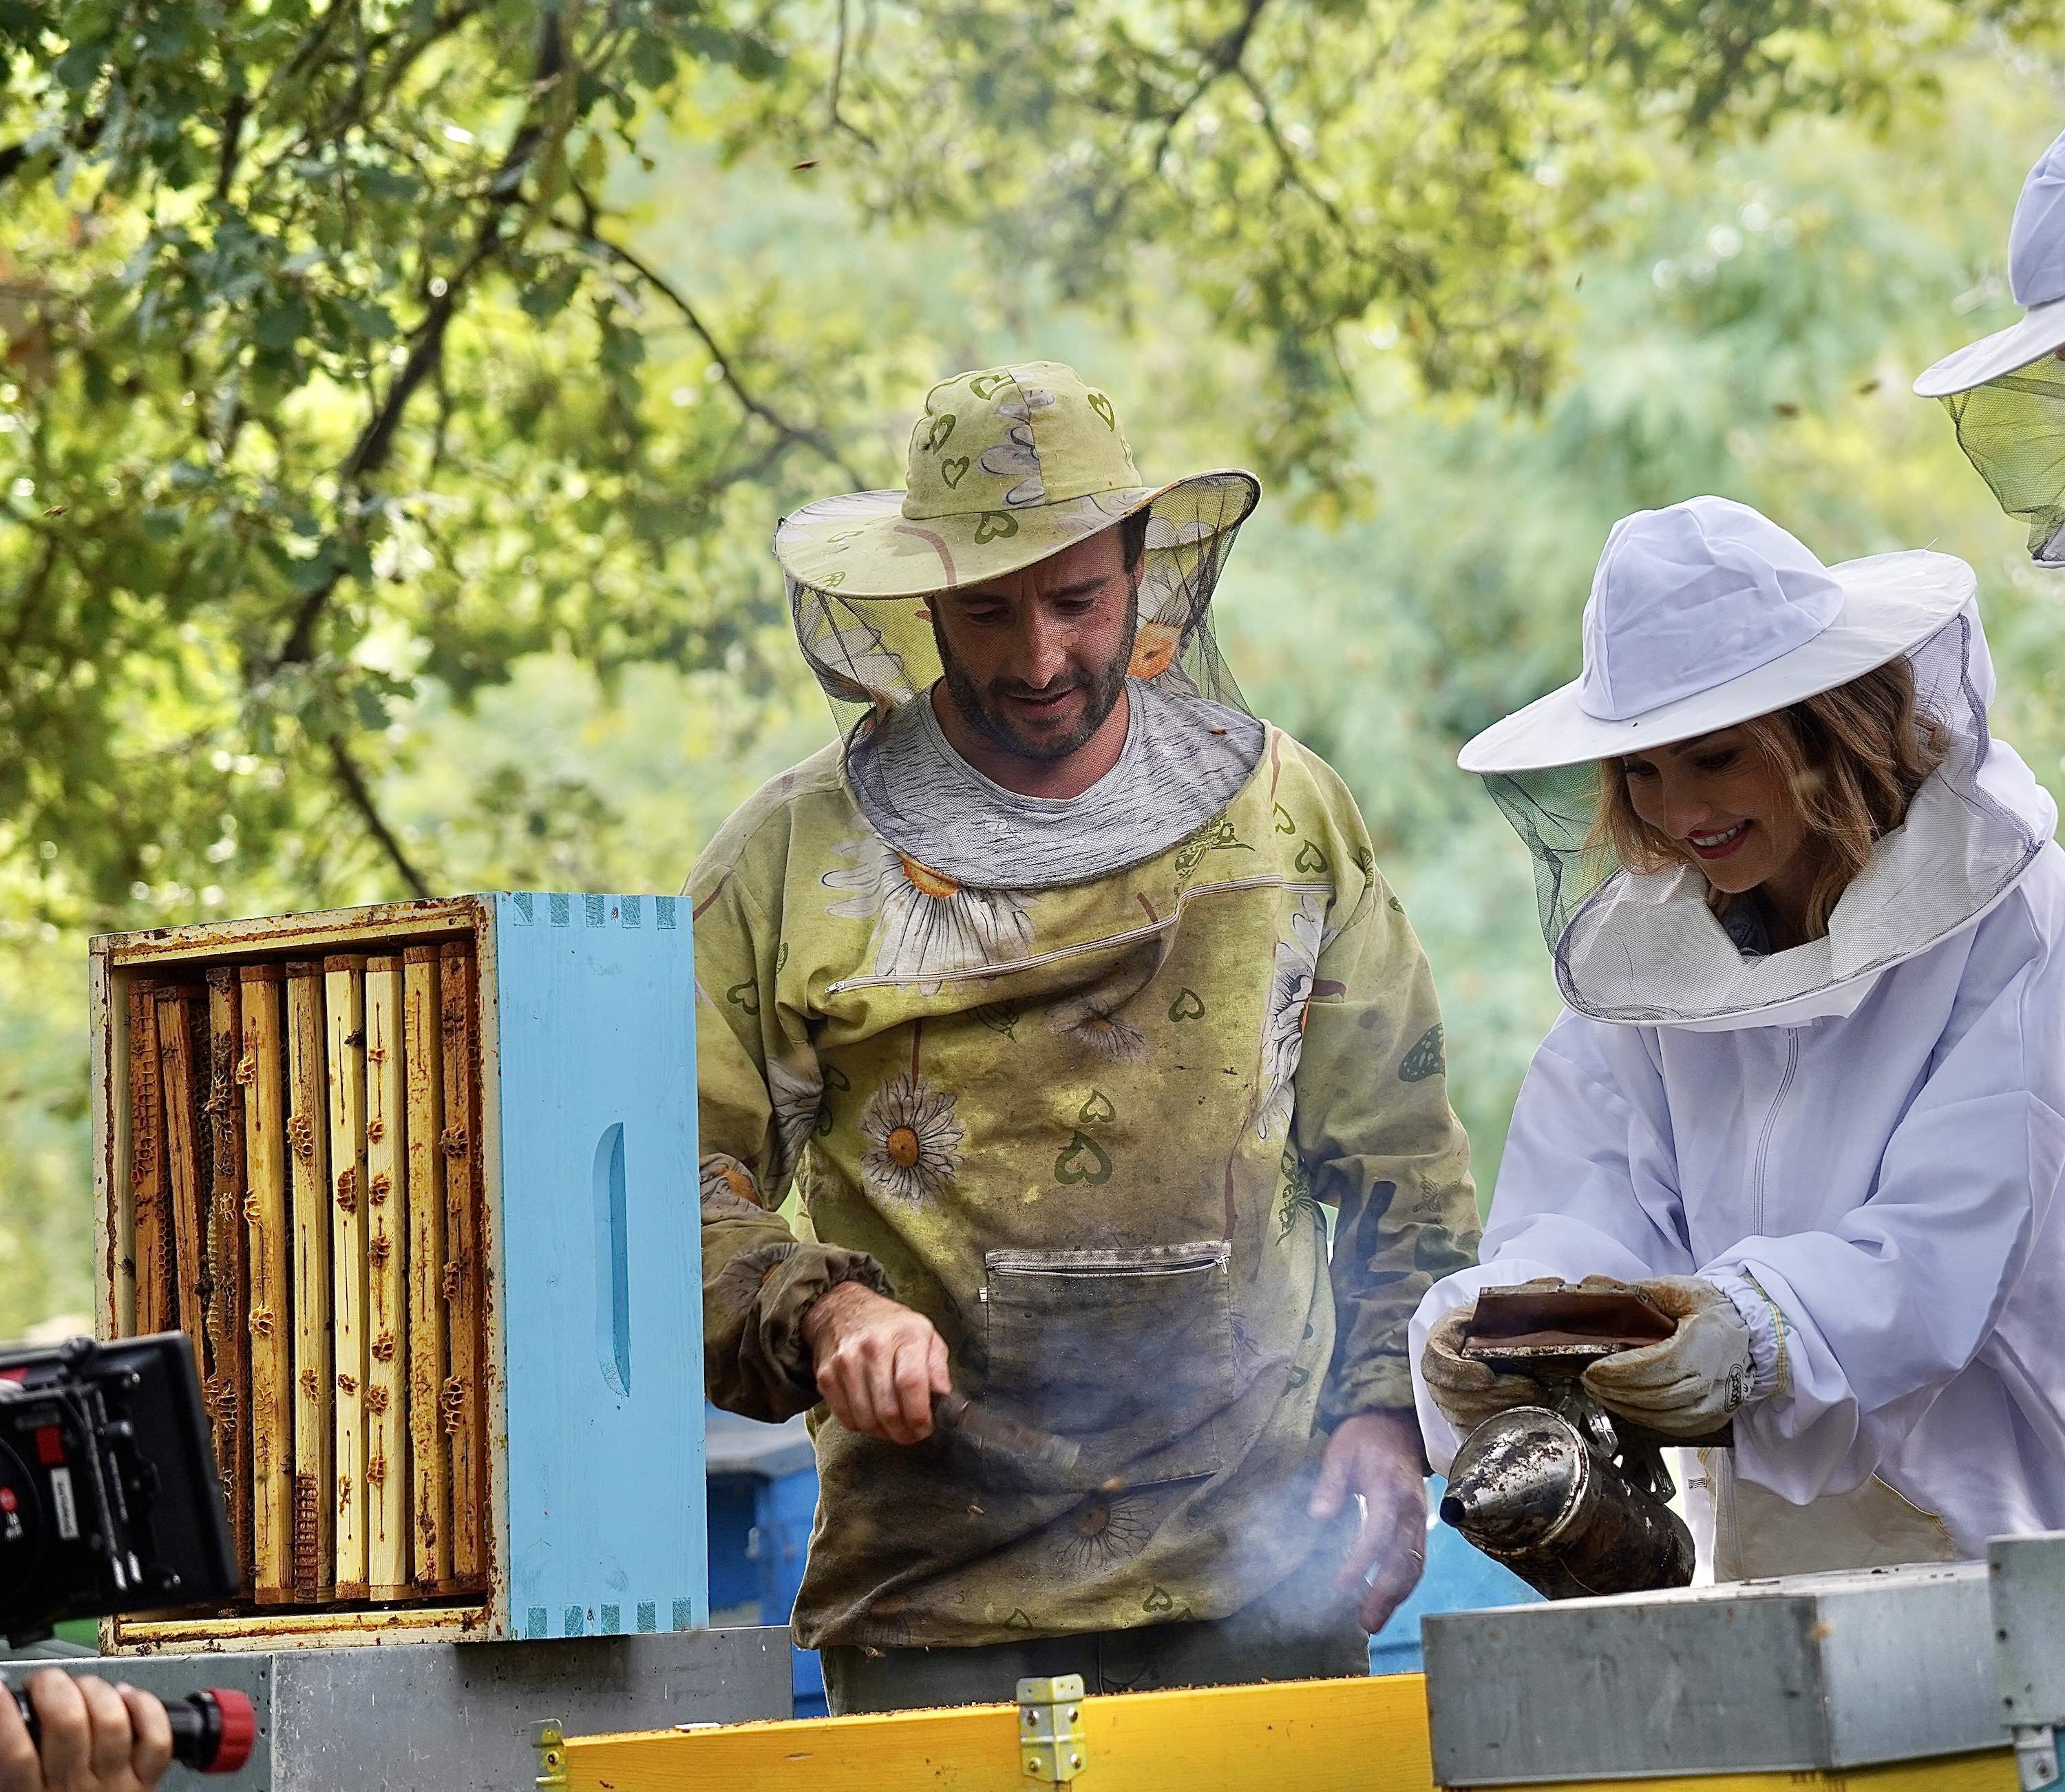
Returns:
(1128,1351)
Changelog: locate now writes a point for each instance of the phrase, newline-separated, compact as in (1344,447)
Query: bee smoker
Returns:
(1573,1501)
(1567,1505)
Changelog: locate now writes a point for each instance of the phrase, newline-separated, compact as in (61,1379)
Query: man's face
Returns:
(1036,660)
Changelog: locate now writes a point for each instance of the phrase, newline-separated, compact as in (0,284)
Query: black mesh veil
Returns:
(2012,430)
(1553,812)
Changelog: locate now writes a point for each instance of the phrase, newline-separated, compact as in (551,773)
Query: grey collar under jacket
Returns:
(1184,760)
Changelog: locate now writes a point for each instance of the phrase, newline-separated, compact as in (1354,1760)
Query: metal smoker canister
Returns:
(1528,1490)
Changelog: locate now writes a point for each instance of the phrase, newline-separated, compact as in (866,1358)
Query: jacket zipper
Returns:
(1189,1266)
(1770,1125)
(1105,944)
(1219,1258)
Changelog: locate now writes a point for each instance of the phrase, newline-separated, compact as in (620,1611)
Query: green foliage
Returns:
(397,396)
(45,1216)
(340,371)
(329,375)
(1754,333)
(1306,171)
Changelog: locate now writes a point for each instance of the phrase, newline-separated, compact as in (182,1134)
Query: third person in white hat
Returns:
(2006,393)
(1809,1088)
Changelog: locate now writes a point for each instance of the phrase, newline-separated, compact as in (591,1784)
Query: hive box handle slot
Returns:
(613,1263)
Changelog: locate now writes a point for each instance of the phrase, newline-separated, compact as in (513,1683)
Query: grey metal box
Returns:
(2028,1583)
(456,1717)
(2028,1575)
(1816,1672)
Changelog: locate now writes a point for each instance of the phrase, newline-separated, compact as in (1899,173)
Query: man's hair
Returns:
(1133,537)
(1851,758)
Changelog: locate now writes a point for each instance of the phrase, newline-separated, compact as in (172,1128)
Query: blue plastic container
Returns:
(763,1501)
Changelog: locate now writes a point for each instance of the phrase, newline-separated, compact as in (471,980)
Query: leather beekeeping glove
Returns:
(1691,1383)
(1469,1392)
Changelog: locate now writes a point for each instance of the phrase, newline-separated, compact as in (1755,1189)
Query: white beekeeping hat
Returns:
(1708,613)
(2036,277)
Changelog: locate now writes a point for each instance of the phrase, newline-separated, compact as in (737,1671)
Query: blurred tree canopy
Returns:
(333,369)
(1305,168)
(328,373)
(397,398)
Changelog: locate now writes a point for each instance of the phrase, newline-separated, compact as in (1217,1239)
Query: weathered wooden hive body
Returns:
(419,1183)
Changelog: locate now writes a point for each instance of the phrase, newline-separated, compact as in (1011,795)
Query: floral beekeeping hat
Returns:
(2006,393)
(1007,466)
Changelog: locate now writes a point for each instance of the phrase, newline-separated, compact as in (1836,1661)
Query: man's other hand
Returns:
(877,1363)
(1377,1455)
(95,1737)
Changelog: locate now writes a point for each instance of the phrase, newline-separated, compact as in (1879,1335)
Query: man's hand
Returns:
(1377,1455)
(877,1363)
(95,1737)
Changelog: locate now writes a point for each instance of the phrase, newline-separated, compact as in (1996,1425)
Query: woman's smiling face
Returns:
(1724,807)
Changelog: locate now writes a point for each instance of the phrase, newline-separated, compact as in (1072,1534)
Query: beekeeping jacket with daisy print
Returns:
(1089,1131)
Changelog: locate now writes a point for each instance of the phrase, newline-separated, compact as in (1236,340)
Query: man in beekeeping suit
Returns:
(1068,995)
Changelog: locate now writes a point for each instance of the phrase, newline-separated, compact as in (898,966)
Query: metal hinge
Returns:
(1050,1728)
(549,1739)
(2036,1756)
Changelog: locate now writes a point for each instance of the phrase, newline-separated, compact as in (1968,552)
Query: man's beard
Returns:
(1102,688)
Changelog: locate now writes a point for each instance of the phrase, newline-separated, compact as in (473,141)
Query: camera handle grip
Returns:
(213,1731)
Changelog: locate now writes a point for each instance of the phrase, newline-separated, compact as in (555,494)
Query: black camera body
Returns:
(108,1497)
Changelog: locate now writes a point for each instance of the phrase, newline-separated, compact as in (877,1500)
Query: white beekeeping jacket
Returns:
(1876,1160)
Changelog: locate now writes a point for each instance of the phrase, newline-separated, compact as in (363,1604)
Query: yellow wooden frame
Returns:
(1300,1735)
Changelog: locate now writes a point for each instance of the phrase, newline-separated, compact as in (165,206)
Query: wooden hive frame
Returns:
(322,1115)
(387,1482)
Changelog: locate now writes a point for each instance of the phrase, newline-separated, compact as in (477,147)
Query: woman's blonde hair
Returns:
(1853,758)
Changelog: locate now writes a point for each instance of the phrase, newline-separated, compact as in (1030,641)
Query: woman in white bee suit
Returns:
(1809,1088)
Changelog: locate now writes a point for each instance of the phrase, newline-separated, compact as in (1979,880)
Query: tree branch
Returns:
(441,27)
(1415,283)
(1710,98)
(28,596)
(351,781)
(13,157)
(354,111)
(440,436)
(306,52)
(376,442)
(788,433)
(838,78)
(228,149)
(1220,59)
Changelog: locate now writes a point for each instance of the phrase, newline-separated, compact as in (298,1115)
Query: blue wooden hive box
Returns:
(582,1371)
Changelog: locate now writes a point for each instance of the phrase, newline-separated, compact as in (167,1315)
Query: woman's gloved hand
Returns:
(1692,1382)
(1470,1393)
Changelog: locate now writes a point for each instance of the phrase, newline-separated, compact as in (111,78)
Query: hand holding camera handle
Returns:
(213,1731)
